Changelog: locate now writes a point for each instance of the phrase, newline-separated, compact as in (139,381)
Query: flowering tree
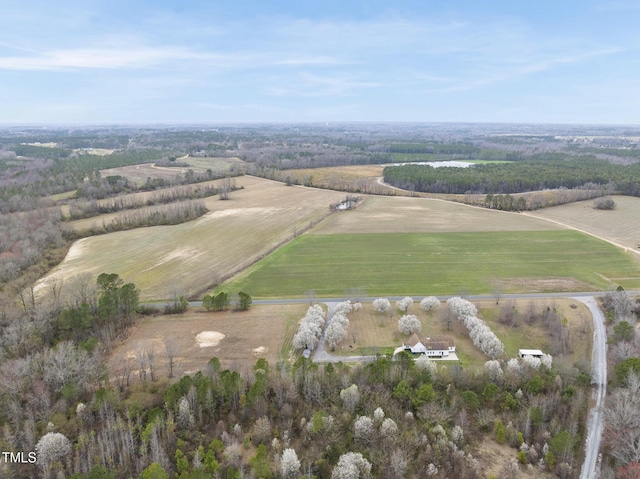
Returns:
(309,329)
(351,465)
(335,333)
(363,429)
(389,429)
(52,447)
(290,464)
(423,363)
(382,305)
(378,415)
(481,335)
(350,397)
(429,303)
(404,304)
(409,324)
(493,370)
(344,307)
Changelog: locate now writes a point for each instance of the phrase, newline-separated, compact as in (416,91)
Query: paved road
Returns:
(595,423)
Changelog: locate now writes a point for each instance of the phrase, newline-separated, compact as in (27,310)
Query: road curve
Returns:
(595,423)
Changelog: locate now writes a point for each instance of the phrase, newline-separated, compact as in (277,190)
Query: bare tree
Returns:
(142,364)
(123,373)
(151,356)
(170,350)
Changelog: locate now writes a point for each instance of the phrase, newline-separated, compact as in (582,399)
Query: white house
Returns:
(435,347)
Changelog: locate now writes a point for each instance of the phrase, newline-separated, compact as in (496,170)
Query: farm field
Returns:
(372,333)
(238,339)
(621,225)
(362,178)
(440,263)
(188,258)
(139,173)
(416,215)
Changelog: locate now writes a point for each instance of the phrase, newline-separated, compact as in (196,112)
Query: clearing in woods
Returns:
(238,339)
(185,259)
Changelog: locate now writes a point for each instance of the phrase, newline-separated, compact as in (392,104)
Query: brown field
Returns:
(621,226)
(139,173)
(372,333)
(189,258)
(361,178)
(248,336)
(381,214)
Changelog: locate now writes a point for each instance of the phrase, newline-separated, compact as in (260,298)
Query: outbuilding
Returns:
(535,353)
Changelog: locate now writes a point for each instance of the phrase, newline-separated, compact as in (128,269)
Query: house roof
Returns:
(412,340)
(437,345)
(448,340)
(530,352)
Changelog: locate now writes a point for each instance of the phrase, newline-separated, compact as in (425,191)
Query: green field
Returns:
(440,263)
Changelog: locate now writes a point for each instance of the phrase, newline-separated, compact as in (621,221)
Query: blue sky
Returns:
(192,61)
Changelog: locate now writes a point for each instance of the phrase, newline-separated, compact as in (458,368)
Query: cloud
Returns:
(102,58)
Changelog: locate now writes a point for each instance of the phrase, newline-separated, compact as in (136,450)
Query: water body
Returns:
(439,164)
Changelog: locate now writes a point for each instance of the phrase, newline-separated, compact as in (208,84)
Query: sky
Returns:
(208,61)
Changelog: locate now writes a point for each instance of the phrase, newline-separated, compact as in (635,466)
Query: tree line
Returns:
(517,177)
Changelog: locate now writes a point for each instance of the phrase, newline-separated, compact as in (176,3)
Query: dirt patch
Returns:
(543,285)
(494,456)
(209,339)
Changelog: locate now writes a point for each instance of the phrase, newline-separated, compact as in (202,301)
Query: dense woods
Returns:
(518,177)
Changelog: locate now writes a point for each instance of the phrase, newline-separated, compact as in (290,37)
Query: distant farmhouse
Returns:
(439,346)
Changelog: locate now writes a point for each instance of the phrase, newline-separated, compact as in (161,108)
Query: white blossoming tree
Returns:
(423,363)
(429,303)
(350,397)
(381,305)
(481,335)
(352,465)
(404,304)
(363,429)
(334,334)
(290,464)
(409,324)
(51,448)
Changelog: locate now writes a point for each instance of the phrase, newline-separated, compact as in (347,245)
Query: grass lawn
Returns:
(376,333)
(445,263)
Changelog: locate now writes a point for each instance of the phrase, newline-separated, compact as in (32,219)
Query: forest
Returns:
(519,177)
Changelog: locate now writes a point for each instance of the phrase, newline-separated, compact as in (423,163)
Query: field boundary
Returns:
(575,228)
